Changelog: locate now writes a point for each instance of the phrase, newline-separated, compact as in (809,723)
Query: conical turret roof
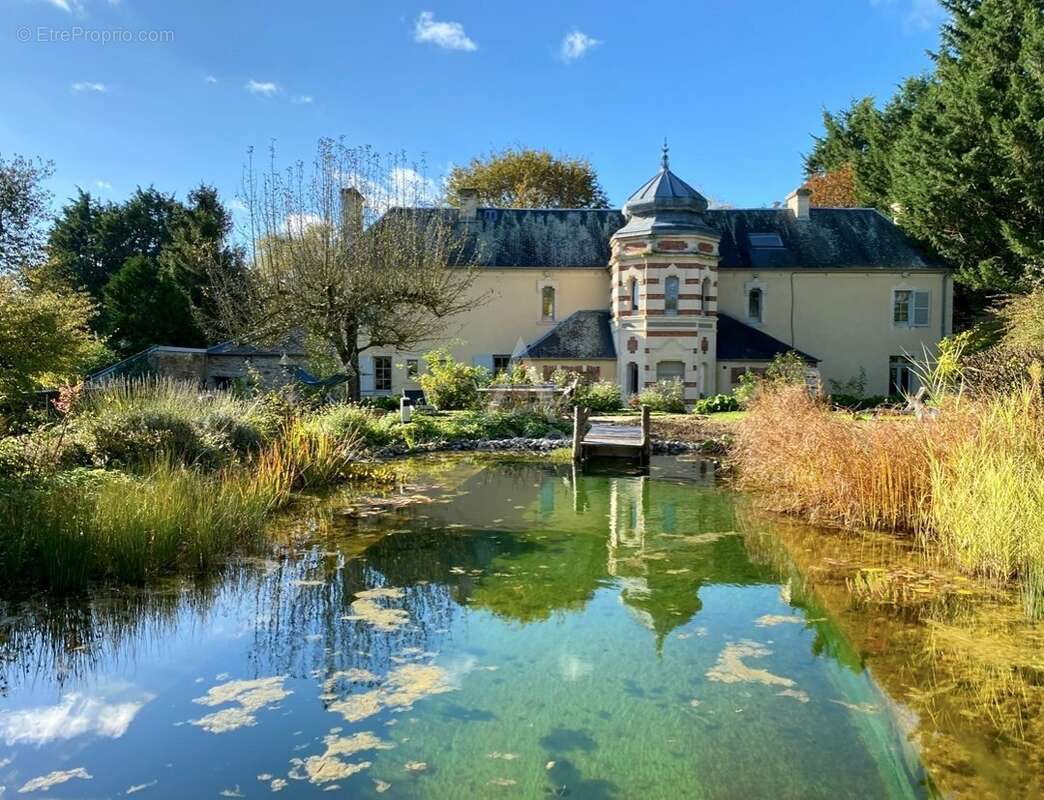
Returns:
(664,204)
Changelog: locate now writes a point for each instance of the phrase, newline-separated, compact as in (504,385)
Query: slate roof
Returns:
(857,238)
(740,342)
(290,346)
(662,191)
(582,335)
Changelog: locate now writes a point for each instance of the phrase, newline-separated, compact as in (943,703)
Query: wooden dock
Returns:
(604,440)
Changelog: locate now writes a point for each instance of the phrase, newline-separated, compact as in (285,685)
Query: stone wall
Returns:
(222,370)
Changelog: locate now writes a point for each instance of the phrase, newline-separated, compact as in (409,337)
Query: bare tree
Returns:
(351,251)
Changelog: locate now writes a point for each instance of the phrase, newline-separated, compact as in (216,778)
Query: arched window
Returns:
(634,294)
(632,378)
(670,295)
(705,290)
(754,305)
(547,302)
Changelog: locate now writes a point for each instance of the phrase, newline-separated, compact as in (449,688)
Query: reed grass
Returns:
(969,482)
(832,467)
(130,529)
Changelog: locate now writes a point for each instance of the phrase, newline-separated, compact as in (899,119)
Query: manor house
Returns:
(668,288)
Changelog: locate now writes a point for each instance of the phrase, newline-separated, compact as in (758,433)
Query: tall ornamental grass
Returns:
(836,468)
(987,510)
(968,481)
(125,423)
(62,534)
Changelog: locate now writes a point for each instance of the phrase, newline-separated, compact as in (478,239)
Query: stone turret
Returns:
(664,287)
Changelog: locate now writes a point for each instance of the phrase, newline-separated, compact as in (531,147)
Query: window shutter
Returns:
(366,383)
(922,309)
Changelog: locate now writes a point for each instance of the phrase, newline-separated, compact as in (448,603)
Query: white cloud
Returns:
(210,79)
(68,6)
(266,88)
(74,716)
(409,186)
(447,35)
(576,44)
(89,86)
(303,99)
(104,185)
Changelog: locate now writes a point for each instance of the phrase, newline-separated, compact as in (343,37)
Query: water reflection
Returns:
(526,630)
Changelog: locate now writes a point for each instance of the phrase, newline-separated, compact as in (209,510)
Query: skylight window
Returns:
(764,240)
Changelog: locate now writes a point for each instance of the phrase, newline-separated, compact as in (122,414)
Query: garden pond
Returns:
(511,627)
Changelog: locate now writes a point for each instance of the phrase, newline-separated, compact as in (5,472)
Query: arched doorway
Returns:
(632,378)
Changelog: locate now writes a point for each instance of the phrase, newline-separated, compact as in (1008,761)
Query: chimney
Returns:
(798,202)
(352,203)
(468,204)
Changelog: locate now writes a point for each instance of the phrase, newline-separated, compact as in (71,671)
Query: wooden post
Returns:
(579,423)
(646,436)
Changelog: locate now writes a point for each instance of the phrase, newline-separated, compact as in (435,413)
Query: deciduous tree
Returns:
(348,253)
(528,178)
(24,208)
(834,188)
(45,337)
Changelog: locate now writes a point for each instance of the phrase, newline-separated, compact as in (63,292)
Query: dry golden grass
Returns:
(969,482)
(835,468)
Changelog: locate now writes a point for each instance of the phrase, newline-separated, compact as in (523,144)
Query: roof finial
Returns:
(665,160)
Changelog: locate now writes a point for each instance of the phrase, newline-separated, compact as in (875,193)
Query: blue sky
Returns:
(736,87)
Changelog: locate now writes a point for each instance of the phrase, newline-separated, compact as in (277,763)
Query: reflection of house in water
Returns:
(546,538)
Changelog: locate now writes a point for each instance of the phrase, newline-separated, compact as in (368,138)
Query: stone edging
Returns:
(539,445)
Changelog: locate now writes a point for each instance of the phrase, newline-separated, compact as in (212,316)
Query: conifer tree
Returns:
(967,169)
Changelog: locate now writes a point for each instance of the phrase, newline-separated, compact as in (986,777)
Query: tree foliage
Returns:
(45,337)
(24,209)
(957,153)
(967,167)
(350,271)
(145,262)
(528,178)
(834,188)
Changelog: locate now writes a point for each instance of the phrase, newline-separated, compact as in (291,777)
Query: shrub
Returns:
(601,397)
(666,395)
(450,384)
(354,423)
(716,404)
(518,375)
(381,403)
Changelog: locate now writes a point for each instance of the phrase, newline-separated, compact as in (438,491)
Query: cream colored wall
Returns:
(511,310)
(507,311)
(844,318)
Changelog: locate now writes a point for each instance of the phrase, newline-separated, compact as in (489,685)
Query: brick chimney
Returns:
(468,204)
(798,202)
(352,203)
